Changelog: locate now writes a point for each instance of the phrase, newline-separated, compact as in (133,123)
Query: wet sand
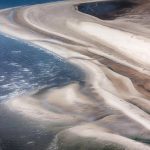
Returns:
(110,109)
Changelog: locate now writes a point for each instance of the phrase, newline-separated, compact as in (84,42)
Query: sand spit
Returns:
(113,102)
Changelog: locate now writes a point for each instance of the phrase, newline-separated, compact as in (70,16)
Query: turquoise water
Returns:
(14,3)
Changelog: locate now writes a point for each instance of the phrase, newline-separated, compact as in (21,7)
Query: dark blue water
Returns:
(25,68)
(106,10)
(14,3)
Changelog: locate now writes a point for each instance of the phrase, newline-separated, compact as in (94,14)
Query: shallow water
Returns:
(17,133)
(24,68)
(106,10)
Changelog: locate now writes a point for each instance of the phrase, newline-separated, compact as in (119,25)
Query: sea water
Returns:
(25,67)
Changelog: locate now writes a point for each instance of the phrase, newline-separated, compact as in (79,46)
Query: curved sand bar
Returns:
(112,107)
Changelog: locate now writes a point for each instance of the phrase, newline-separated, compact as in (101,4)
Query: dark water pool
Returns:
(106,10)
(25,68)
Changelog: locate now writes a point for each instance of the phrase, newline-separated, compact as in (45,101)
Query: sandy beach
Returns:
(112,106)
